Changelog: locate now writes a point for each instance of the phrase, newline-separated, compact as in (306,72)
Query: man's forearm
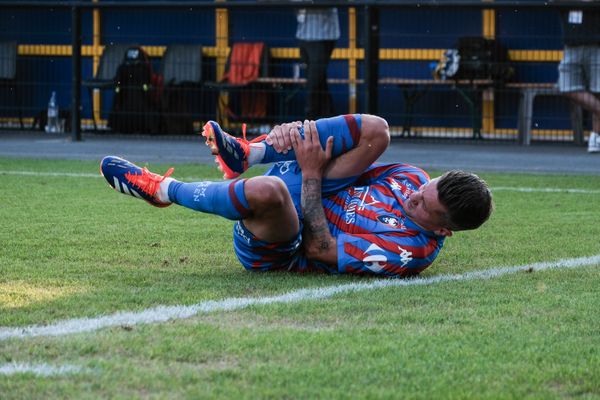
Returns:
(318,243)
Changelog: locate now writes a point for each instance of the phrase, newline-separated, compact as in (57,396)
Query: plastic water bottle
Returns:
(52,126)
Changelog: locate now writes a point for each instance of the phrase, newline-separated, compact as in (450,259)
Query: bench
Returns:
(528,93)
(470,91)
(414,89)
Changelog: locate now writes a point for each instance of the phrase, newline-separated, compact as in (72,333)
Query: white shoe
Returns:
(594,143)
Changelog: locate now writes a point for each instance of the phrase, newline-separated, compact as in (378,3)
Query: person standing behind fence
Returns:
(579,70)
(317,31)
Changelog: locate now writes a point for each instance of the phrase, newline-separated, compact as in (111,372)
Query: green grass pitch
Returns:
(70,247)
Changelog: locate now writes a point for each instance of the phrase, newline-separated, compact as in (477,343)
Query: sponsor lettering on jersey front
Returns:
(352,202)
(374,258)
(358,198)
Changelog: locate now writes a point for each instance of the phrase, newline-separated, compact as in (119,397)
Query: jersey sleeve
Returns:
(391,254)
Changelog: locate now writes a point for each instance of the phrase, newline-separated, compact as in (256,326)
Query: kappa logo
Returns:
(405,187)
(395,185)
(405,256)
(391,220)
(375,258)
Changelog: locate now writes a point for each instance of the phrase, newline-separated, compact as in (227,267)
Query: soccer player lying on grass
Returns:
(323,205)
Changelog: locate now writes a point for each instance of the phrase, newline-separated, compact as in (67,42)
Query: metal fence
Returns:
(387,61)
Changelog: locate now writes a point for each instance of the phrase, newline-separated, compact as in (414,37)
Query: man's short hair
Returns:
(467,198)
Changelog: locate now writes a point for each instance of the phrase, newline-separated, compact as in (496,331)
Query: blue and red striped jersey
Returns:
(374,236)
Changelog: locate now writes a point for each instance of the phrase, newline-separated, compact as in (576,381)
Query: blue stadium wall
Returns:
(406,28)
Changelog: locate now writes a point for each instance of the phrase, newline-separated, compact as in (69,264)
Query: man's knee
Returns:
(375,131)
(266,192)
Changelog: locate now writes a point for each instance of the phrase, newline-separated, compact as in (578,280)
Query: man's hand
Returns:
(318,244)
(280,136)
(309,154)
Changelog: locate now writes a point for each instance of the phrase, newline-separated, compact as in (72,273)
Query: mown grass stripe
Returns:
(165,313)
(38,369)
(543,190)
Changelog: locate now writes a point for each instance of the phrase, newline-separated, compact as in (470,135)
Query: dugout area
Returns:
(382,63)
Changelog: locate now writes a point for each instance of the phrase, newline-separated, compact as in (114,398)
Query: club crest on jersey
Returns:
(374,258)
(391,220)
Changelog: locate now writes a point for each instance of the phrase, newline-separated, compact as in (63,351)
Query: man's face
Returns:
(423,207)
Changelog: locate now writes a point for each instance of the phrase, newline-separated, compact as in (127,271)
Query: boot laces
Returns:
(245,142)
(148,182)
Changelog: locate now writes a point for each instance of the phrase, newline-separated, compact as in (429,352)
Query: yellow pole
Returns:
(487,110)
(96,49)
(222,44)
(352,59)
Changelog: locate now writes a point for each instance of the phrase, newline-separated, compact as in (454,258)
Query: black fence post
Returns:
(76,66)
(371,32)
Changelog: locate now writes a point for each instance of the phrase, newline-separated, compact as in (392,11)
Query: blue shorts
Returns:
(258,255)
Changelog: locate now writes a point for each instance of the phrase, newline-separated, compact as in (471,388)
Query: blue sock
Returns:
(226,199)
(345,130)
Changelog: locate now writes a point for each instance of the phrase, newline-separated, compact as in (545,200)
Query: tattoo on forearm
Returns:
(314,216)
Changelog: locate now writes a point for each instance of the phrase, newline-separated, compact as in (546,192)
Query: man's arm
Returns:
(318,243)
(371,141)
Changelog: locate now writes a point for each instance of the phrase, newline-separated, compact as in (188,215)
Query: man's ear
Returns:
(443,232)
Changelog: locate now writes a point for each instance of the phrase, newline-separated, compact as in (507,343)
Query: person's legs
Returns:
(578,78)
(593,73)
(591,103)
(317,55)
(312,55)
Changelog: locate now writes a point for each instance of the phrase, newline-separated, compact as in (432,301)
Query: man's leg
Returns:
(578,77)
(263,203)
(591,103)
(316,55)
(361,139)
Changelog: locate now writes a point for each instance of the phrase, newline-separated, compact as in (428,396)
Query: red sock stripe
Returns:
(353,126)
(244,212)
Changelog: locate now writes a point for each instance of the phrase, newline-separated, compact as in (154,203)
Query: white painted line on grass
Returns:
(39,369)
(75,175)
(59,174)
(166,313)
